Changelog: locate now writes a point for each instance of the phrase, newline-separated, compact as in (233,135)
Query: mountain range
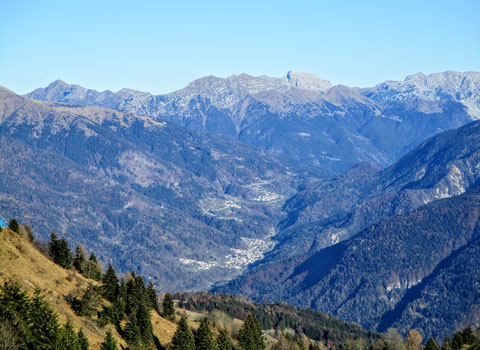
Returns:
(403,254)
(359,202)
(303,116)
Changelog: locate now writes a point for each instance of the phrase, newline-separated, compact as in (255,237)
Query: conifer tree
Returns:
(131,333)
(468,336)
(152,296)
(110,284)
(183,337)
(94,270)
(14,310)
(109,343)
(447,343)
(145,323)
(457,341)
(250,334)
(44,321)
(13,225)
(53,245)
(431,345)
(204,338)
(168,307)
(223,341)
(82,341)
(67,338)
(80,260)
(64,256)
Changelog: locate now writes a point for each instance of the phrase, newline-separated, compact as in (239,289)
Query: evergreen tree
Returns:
(53,245)
(468,336)
(183,337)
(223,341)
(457,342)
(14,311)
(145,323)
(204,338)
(152,296)
(110,284)
(250,334)
(168,307)
(431,345)
(109,343)
(82,341)
(67,338)
(44,323)
(131,333)
(94,270)
(447,344)
(64,256)
(13,225)
(80,260)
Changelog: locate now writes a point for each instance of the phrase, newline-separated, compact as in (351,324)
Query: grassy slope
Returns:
(21,262)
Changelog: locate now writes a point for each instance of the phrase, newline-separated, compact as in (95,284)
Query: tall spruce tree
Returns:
(94,270)
(67,338)
(447,343)
(53,245)
(82,341)
(168,307)
(223,341)
(110,284)
(13,225)
(250,334)
(431,345)
(152,296)
(64,256)
(183,337)
(109,343)
(80,259)
(204,338)
(44,321)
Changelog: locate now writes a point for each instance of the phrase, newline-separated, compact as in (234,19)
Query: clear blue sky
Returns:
(160,46)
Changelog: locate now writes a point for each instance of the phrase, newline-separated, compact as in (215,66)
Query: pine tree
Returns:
(168,307)
(110,284)
(145,323)
(223,341)
(44,323)
(183,337)
(53,245)
(80,260)
(63,256)
(447,343)
(82,341)
(152,296)
(13,225)
(250,334)
(67,338)
(457,342)
(131,333)
(204,338)
(109,343)
(431,345)
(14,311)
(94,270)
(468,336)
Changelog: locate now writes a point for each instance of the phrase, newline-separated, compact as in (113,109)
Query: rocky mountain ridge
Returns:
(303,116)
